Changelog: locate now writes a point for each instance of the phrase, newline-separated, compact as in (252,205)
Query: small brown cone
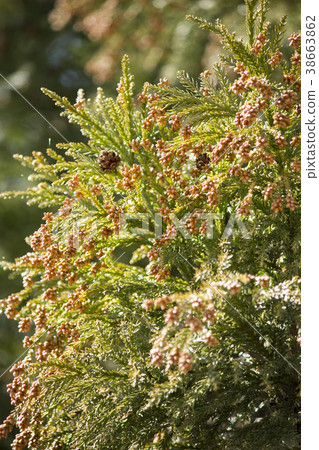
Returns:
(108,161)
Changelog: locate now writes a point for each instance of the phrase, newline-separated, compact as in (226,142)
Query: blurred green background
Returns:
(70,44)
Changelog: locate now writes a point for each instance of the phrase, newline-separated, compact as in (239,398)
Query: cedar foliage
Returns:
(178,338)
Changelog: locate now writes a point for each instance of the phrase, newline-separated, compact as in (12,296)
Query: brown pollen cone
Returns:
(108,161)
(202,161)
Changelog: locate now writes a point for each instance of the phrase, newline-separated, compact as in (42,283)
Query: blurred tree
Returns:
(154,33)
